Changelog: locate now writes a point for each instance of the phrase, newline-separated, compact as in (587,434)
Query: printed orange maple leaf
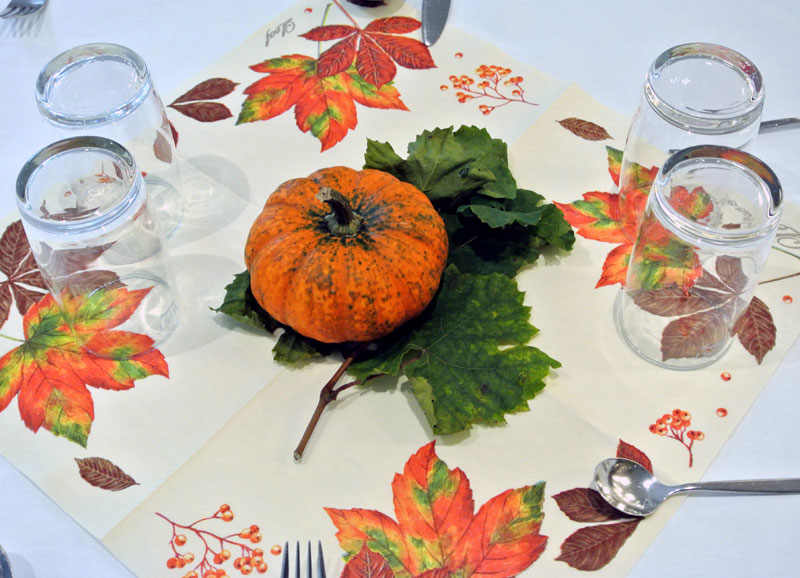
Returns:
(324,105)
(437,531)
(597,216)
(49,372)
(358,69)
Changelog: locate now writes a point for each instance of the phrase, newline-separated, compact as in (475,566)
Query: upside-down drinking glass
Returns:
(710,220)
(99,248)
(694,94)
(106,90)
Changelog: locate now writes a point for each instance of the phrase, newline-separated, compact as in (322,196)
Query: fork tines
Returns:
(309,566)
(17,8)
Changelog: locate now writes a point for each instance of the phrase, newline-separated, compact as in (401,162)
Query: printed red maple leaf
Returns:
(374,48)
(323,105)
(597,216)
(23,284)
(437,531)
(49,372)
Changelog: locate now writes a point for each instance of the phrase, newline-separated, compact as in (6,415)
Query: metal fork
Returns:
(309,569)
(17,8)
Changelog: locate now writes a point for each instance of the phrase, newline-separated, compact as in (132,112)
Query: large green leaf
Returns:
(500,236)
(458,371)
(447,165)
(240,304)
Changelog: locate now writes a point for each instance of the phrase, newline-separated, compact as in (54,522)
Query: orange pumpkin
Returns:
(346,255)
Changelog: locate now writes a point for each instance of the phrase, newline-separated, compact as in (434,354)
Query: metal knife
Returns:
(5,565)
(434,16)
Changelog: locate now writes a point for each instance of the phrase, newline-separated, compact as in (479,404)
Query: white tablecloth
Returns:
(606,47)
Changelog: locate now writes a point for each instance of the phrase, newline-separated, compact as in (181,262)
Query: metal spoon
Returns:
(631,489)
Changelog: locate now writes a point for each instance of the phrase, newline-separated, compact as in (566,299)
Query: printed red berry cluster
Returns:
(676,425)
(492,85)
(217,548)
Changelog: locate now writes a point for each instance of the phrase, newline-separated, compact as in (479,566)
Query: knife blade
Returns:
(5,565)
(434,16)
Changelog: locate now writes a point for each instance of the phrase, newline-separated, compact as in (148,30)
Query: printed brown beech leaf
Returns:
(696,335)
(23,283)
(593,547)
(586,505)
(104,474)
(584,129)
(210,89)
(162,148)
(375,49)
(731,273)
(671,301)
(631,452)
(367,564)
(174,132)
(756,329)
(204,111)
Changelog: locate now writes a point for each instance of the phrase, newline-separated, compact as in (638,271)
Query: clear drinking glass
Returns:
(710,220)
(99,248)
(106,90)
(694,94)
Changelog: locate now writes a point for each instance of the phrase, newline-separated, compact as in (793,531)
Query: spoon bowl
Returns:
(633,490)
(628,486)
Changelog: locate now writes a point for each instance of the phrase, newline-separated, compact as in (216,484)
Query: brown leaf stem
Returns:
(779,278)
(346,13)
(328,394)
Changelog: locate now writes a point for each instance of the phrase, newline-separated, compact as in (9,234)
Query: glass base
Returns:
(155,317)
(642,335)
(166,203)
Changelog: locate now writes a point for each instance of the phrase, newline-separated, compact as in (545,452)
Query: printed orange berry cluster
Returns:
(217,548)
(493,84)
(676,425)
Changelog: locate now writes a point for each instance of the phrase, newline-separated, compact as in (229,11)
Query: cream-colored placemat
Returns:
(222,428)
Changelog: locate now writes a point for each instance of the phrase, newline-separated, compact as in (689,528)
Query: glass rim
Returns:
(745,113)
(76,57)
(718,155)
(105,146)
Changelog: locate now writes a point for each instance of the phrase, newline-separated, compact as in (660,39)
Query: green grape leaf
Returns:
(381,156)
(485,238)
(240,304)
(292,348)
(458,372)
(447,165)
(524,209)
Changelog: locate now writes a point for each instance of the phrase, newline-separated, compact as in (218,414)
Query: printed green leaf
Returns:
(458,373)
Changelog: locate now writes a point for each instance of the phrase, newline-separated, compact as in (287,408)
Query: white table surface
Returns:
(606,47)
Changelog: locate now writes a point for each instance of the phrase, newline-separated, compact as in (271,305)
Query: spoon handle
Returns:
(769,125)
(774,486)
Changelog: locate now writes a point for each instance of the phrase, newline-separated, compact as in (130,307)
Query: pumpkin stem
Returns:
(342,220)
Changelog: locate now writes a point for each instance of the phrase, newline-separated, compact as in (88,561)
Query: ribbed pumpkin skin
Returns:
(334,288)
